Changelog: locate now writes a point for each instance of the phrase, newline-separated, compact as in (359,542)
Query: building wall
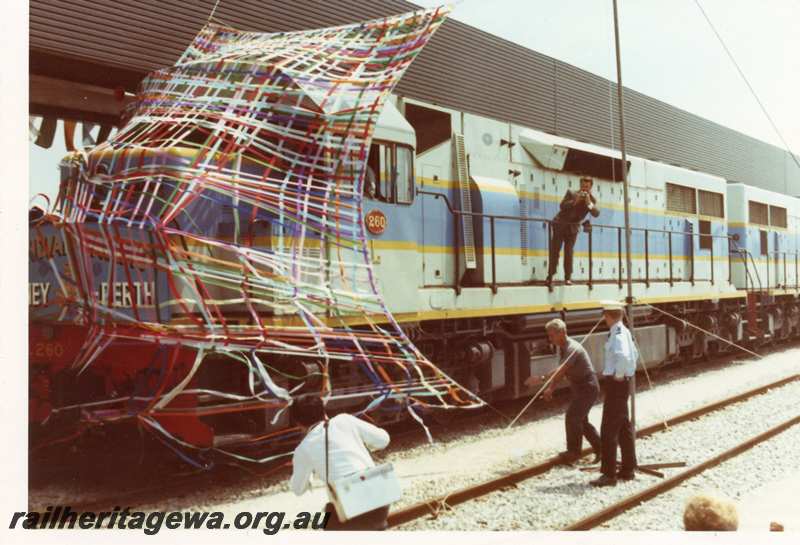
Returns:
(111,43)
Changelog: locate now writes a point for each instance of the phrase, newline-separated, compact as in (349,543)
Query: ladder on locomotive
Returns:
(755,295)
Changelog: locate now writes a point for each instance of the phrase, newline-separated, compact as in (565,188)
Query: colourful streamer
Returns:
(223,226)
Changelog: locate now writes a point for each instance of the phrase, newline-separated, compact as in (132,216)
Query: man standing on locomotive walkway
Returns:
(565,225)
(616,428)
(575,364)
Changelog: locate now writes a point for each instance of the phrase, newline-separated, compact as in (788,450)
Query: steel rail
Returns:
(436,504)
(232,476)
(617,508)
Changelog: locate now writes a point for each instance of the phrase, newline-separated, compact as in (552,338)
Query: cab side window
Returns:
(390,173)
(404,174)
(385,193)
(371,176)
(377,182)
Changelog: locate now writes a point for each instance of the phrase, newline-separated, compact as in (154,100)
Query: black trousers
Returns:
(577,417)
(565,235)
(616,428)
(374,520)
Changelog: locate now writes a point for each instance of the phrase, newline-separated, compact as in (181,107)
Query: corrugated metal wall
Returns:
(104,41)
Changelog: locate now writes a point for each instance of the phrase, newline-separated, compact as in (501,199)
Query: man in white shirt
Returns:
(619,367)
(348,440)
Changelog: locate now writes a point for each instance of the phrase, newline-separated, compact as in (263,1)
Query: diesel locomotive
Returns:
(458,213)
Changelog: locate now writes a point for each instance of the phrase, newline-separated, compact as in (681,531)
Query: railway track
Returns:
(225,477)
(433,506)
(235,476)
(596,519)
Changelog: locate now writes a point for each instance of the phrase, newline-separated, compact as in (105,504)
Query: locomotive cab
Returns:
(392,215)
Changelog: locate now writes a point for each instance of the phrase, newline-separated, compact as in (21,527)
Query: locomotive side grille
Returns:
(681,199)
(759,213)
(711,204)
(466,202)
(777,216)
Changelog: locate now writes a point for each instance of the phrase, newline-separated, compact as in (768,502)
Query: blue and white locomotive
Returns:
(461,247)
(458,211)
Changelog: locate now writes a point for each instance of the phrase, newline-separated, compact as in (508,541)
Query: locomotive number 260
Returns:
(47,350)
(376,222)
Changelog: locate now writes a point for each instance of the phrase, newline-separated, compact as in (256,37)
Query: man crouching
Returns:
(348,439)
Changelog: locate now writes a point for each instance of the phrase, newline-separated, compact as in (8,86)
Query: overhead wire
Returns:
(747,82)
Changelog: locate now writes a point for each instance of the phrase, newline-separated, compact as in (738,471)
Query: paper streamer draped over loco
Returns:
(233,193)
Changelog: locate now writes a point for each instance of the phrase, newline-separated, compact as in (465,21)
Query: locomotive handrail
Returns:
(549,223)
(537,219)
(748,258)
(747,254)
(786,254)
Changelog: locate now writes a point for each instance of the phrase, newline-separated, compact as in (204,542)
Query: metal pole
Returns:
(457,253)
(669,243)
(785,282)
(591,259)
(629,300)
(619,255)
(550,253)
(494,257)
(646,258)
(712,259)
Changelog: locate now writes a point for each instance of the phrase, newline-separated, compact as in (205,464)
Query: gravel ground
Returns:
(472,441)
(771,461)
(555,499)
(519,456)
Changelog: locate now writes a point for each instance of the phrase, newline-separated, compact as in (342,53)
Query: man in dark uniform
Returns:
(565,225)
(621,356)
(577,366)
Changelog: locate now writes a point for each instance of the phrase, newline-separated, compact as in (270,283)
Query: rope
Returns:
(644,367)
(213,10)
(552,375)
(647,376)
(742,348)
(639,359)
(439,506)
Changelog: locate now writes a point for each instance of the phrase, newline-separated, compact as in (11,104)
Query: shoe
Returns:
(568,458)
(626,475)
(548,280)
(605,480)
(567,282)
